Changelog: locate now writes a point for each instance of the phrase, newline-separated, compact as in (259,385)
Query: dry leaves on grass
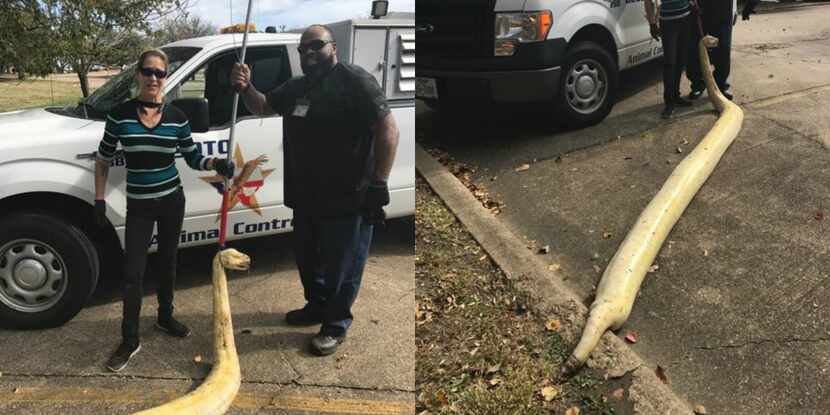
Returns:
(700,410)
(522,168)
(464,173)
(661,374)
(553,324)
(574,410)
(548,393)
(631,337)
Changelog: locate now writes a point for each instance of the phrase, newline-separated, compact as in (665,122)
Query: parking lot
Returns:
(736,310)
(62,370)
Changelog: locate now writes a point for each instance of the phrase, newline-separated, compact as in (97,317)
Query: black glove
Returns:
(100,217)
(654,30)
(377,196)
(224,167)
(749,8)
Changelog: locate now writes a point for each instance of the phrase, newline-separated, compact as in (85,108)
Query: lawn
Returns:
(61,89)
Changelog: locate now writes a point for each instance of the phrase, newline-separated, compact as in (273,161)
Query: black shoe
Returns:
(683,102)
(122,355)
(695,93)
(727,94)
(302,317)
(173,327)
(667,112)
(324,344)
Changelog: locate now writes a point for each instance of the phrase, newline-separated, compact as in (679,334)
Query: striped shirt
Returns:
(675,9)
(150,152)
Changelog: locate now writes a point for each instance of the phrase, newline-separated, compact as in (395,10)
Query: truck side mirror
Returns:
(197,112)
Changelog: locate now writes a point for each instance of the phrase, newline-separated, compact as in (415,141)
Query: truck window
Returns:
(270,68)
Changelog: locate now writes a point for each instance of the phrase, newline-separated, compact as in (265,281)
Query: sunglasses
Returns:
(148,72)
(314,45)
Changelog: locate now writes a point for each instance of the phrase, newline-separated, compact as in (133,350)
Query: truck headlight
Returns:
(515,28)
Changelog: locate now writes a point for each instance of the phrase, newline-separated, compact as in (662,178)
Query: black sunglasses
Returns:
(148,72)
(314,45)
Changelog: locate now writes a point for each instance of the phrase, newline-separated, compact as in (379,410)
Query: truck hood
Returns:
(509,5)
(36,123)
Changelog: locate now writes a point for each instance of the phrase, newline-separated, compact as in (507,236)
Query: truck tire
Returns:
(48,270)
(587,85)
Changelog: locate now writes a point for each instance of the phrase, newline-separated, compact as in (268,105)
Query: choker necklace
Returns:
(146,104)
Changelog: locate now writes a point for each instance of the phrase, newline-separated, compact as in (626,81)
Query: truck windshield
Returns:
(124,86)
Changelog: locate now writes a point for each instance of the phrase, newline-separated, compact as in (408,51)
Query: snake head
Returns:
(710,41)
(235,260)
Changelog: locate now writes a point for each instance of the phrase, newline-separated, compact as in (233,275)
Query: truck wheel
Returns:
(587,85)
(48,268)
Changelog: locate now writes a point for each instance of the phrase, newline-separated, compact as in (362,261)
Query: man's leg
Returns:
(693,72)
(345,243)
(310,267)
(721,56)
(683,33)
(169,227)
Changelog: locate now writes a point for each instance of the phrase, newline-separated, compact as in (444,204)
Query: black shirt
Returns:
(716,11)
(328,139)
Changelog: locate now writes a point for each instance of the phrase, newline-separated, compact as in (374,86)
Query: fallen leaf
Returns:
(548,393)
(494,369)
(246,331)
(574,410)
(553,324)
(668,161)
(494,382)
(482,258)
(678,150)
(198,358)
(705,252)
(661,374)
(700,410)
(819,215)
(618,394)
(631,336)
(627,158)
(425,413)
(494,178)
(597,269)
(607,235)
(653,268)
(523,167)
(594,256)
(474,351)
(441,398)
(554,267)
(684,142)
(544,250)
(558,159)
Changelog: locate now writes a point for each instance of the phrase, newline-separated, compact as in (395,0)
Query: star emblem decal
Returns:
(250,178)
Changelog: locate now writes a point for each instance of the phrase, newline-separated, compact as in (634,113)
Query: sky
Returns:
(292,13)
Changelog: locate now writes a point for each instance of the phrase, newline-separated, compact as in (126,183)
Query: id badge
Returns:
(301,107)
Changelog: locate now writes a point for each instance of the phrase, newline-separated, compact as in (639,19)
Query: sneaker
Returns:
(727,94)
(324,344)
(667,112)
(173,327)
(302,317)
(683,102)
(122,355)
(695,93)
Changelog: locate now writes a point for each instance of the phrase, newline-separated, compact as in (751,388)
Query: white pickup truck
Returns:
(51,254)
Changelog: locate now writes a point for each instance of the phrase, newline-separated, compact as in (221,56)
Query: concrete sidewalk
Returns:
(62,370)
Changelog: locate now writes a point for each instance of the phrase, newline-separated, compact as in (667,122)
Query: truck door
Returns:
(259,208)
(637,45)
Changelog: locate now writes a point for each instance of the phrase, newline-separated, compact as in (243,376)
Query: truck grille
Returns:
(454,28)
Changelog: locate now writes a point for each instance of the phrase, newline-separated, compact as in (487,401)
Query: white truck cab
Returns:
(567,53)
(51,253)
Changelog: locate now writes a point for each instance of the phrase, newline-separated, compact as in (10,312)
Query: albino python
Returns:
(622,278)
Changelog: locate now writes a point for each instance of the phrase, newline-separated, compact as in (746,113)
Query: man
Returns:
(339,144)
(674,25)
(718,17)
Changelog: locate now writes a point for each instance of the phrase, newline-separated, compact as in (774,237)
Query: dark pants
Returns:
(330,254)
(675,45)
(719,56)
(168,213)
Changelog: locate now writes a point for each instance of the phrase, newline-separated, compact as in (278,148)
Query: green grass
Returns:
(34,93)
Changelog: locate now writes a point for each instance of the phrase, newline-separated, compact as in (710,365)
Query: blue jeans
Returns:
(331,253)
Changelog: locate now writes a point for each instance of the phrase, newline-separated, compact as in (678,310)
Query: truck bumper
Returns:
(496,86)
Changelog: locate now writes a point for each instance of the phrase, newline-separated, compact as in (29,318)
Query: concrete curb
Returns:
(550,295)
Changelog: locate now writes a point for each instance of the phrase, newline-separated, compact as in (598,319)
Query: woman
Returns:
(150,133)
